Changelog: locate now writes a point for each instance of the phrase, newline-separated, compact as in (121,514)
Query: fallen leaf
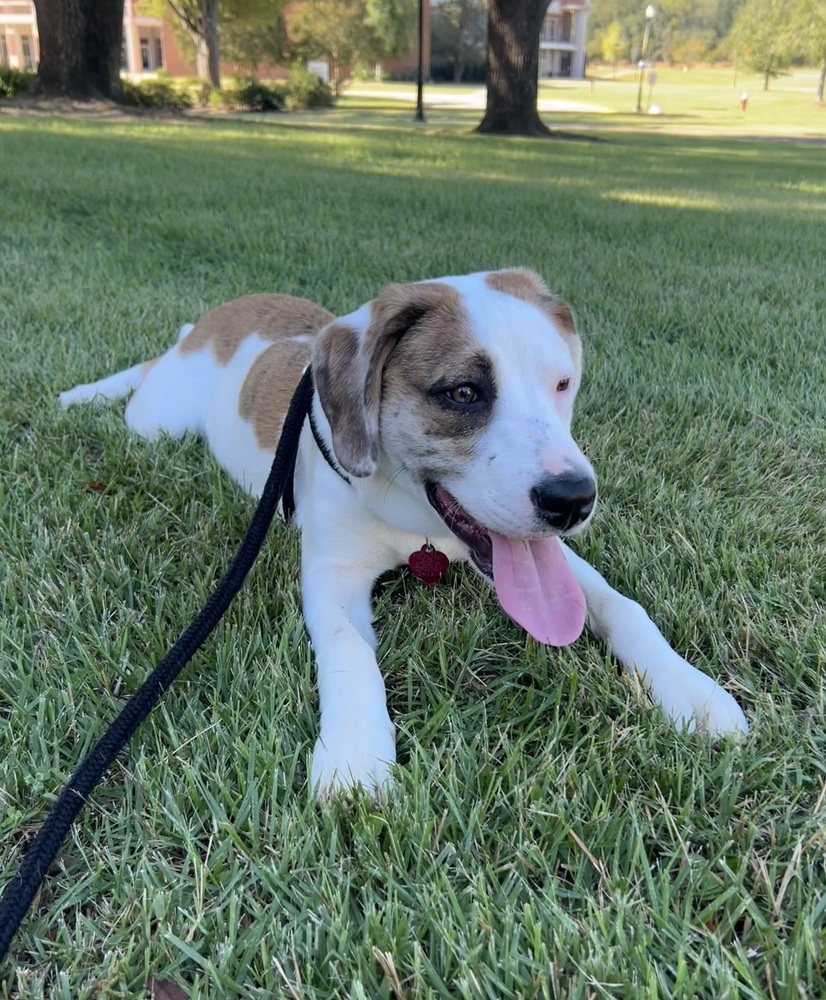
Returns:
(96,487)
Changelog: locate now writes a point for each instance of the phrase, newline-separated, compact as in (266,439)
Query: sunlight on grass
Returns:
(704,201)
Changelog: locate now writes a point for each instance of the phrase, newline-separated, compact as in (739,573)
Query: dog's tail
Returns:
(113,386)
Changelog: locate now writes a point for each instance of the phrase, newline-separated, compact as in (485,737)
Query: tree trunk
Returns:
(80,42)
(821,79)
(202,24)
(201,56)
(213,43)
(512,68)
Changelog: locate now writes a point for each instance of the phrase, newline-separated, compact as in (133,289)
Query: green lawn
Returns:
(699,100)
(549,835)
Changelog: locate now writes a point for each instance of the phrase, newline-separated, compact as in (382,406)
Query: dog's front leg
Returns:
(687,696)
(356,744)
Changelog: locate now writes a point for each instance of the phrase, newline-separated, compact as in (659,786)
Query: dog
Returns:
(440,431)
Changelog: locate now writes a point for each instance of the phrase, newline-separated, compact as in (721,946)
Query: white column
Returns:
(129,36)
(580,32)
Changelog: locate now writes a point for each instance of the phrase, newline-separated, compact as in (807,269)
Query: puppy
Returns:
(440,430)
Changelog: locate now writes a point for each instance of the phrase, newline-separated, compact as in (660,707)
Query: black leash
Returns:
(42,852)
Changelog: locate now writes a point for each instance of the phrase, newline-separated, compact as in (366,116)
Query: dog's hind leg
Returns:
(685,695)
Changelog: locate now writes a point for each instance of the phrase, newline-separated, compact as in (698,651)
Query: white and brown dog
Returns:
(444,408)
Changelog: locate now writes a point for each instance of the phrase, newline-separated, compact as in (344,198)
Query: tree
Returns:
(390,29)
(80,44)
(343,31)
(457,36)
(332,30)
(810,27)
(200,19)
(512,68)
(762,36)
(684,30)
(254,34)
(613,43)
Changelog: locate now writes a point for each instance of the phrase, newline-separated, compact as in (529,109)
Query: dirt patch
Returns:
(28,104)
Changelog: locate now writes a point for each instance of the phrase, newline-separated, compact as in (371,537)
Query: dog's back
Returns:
(229,378)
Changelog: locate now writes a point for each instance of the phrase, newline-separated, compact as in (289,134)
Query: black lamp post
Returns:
(649,17)
(420,71)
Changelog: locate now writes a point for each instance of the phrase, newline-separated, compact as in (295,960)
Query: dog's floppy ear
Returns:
(349,359)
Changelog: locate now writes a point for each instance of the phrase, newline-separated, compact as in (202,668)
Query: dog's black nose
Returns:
(564,501)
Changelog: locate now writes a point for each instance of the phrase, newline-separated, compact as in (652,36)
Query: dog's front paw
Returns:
(343,760)
(698,702)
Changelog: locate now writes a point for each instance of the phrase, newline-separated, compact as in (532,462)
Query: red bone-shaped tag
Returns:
(428,564)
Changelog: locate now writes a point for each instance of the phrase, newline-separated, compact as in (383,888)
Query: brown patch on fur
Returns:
(349,367)
(269,387)
(393,313)
(443,350)
(272,317)
(529,287)
(148,366)
(519,282)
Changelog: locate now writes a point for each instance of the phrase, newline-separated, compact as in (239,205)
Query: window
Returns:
(124,62)
(156,42)
(26,44)
(4,51)
(145,53)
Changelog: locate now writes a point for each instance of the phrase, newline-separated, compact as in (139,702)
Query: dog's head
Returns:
(463,389)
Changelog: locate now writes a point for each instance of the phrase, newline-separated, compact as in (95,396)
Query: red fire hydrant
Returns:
(744,101)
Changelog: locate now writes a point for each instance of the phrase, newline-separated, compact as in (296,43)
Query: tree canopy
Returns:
(763,37)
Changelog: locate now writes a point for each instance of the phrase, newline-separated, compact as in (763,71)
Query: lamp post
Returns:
(649,17)
(419,117)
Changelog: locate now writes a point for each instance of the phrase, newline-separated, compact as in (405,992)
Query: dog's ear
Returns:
(349,360)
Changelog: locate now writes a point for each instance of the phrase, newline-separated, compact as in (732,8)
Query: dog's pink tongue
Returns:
(536,587)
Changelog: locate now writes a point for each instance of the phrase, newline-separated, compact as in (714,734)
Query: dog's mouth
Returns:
(466,528)
(531,577)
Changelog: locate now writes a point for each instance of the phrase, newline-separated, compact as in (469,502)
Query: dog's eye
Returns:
(563,384)
(462,394)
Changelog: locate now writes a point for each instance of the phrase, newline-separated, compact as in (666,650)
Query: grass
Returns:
(700,100)
(549,835)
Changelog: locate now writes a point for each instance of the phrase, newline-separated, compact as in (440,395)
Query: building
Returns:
(562,39)
(151,43)
(147,42)
(19,46)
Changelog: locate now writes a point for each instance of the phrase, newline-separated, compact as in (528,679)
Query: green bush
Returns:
(226,98)
(14,81)
(248,96)
(203,92)
(155,94)
(306,91)
(260,97)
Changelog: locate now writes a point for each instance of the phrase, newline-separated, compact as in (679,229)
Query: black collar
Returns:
(325,451)
(288,496)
